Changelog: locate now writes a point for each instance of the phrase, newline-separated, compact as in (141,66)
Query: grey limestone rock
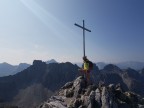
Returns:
(105,98)
(98,97)
(79,95)
(67,85)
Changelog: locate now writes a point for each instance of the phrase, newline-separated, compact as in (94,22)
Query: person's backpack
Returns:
(90,65)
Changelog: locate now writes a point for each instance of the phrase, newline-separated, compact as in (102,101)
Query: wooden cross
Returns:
(83,27)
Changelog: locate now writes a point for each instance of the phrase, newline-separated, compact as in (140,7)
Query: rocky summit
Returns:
(79,94)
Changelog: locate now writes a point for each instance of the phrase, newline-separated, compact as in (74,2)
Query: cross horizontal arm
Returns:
(83,27)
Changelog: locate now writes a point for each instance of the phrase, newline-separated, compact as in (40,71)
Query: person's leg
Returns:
(88,77)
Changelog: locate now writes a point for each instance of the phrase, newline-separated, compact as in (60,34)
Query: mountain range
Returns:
(38,82)
(124,65)
(35,84)
(8,69)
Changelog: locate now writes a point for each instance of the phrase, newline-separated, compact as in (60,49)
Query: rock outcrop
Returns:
(78,94)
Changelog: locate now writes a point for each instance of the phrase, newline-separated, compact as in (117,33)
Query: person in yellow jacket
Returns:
(86,69)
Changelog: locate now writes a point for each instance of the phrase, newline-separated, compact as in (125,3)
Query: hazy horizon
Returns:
(43,30)
(73,62)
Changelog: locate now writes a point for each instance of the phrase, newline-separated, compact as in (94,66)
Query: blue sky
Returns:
(44,29)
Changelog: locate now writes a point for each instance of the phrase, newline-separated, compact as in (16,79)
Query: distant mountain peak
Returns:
(5,63)
(101,65)
(51,61)
(38,62)
(112,68)
(130,70)
(131,64)
(23,64)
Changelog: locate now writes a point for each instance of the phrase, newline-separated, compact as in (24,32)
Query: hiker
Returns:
(87,67)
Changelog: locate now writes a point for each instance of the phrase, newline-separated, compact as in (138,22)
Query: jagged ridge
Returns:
(77,94)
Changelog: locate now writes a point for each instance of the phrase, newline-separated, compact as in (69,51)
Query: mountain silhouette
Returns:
(48,77)
(51,61)
(131,64)
(8,69)
(124,65)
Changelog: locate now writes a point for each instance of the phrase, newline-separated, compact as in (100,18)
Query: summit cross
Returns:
(84,29)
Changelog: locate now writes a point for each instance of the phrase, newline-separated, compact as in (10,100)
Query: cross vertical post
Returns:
(84,38)
(83,27)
